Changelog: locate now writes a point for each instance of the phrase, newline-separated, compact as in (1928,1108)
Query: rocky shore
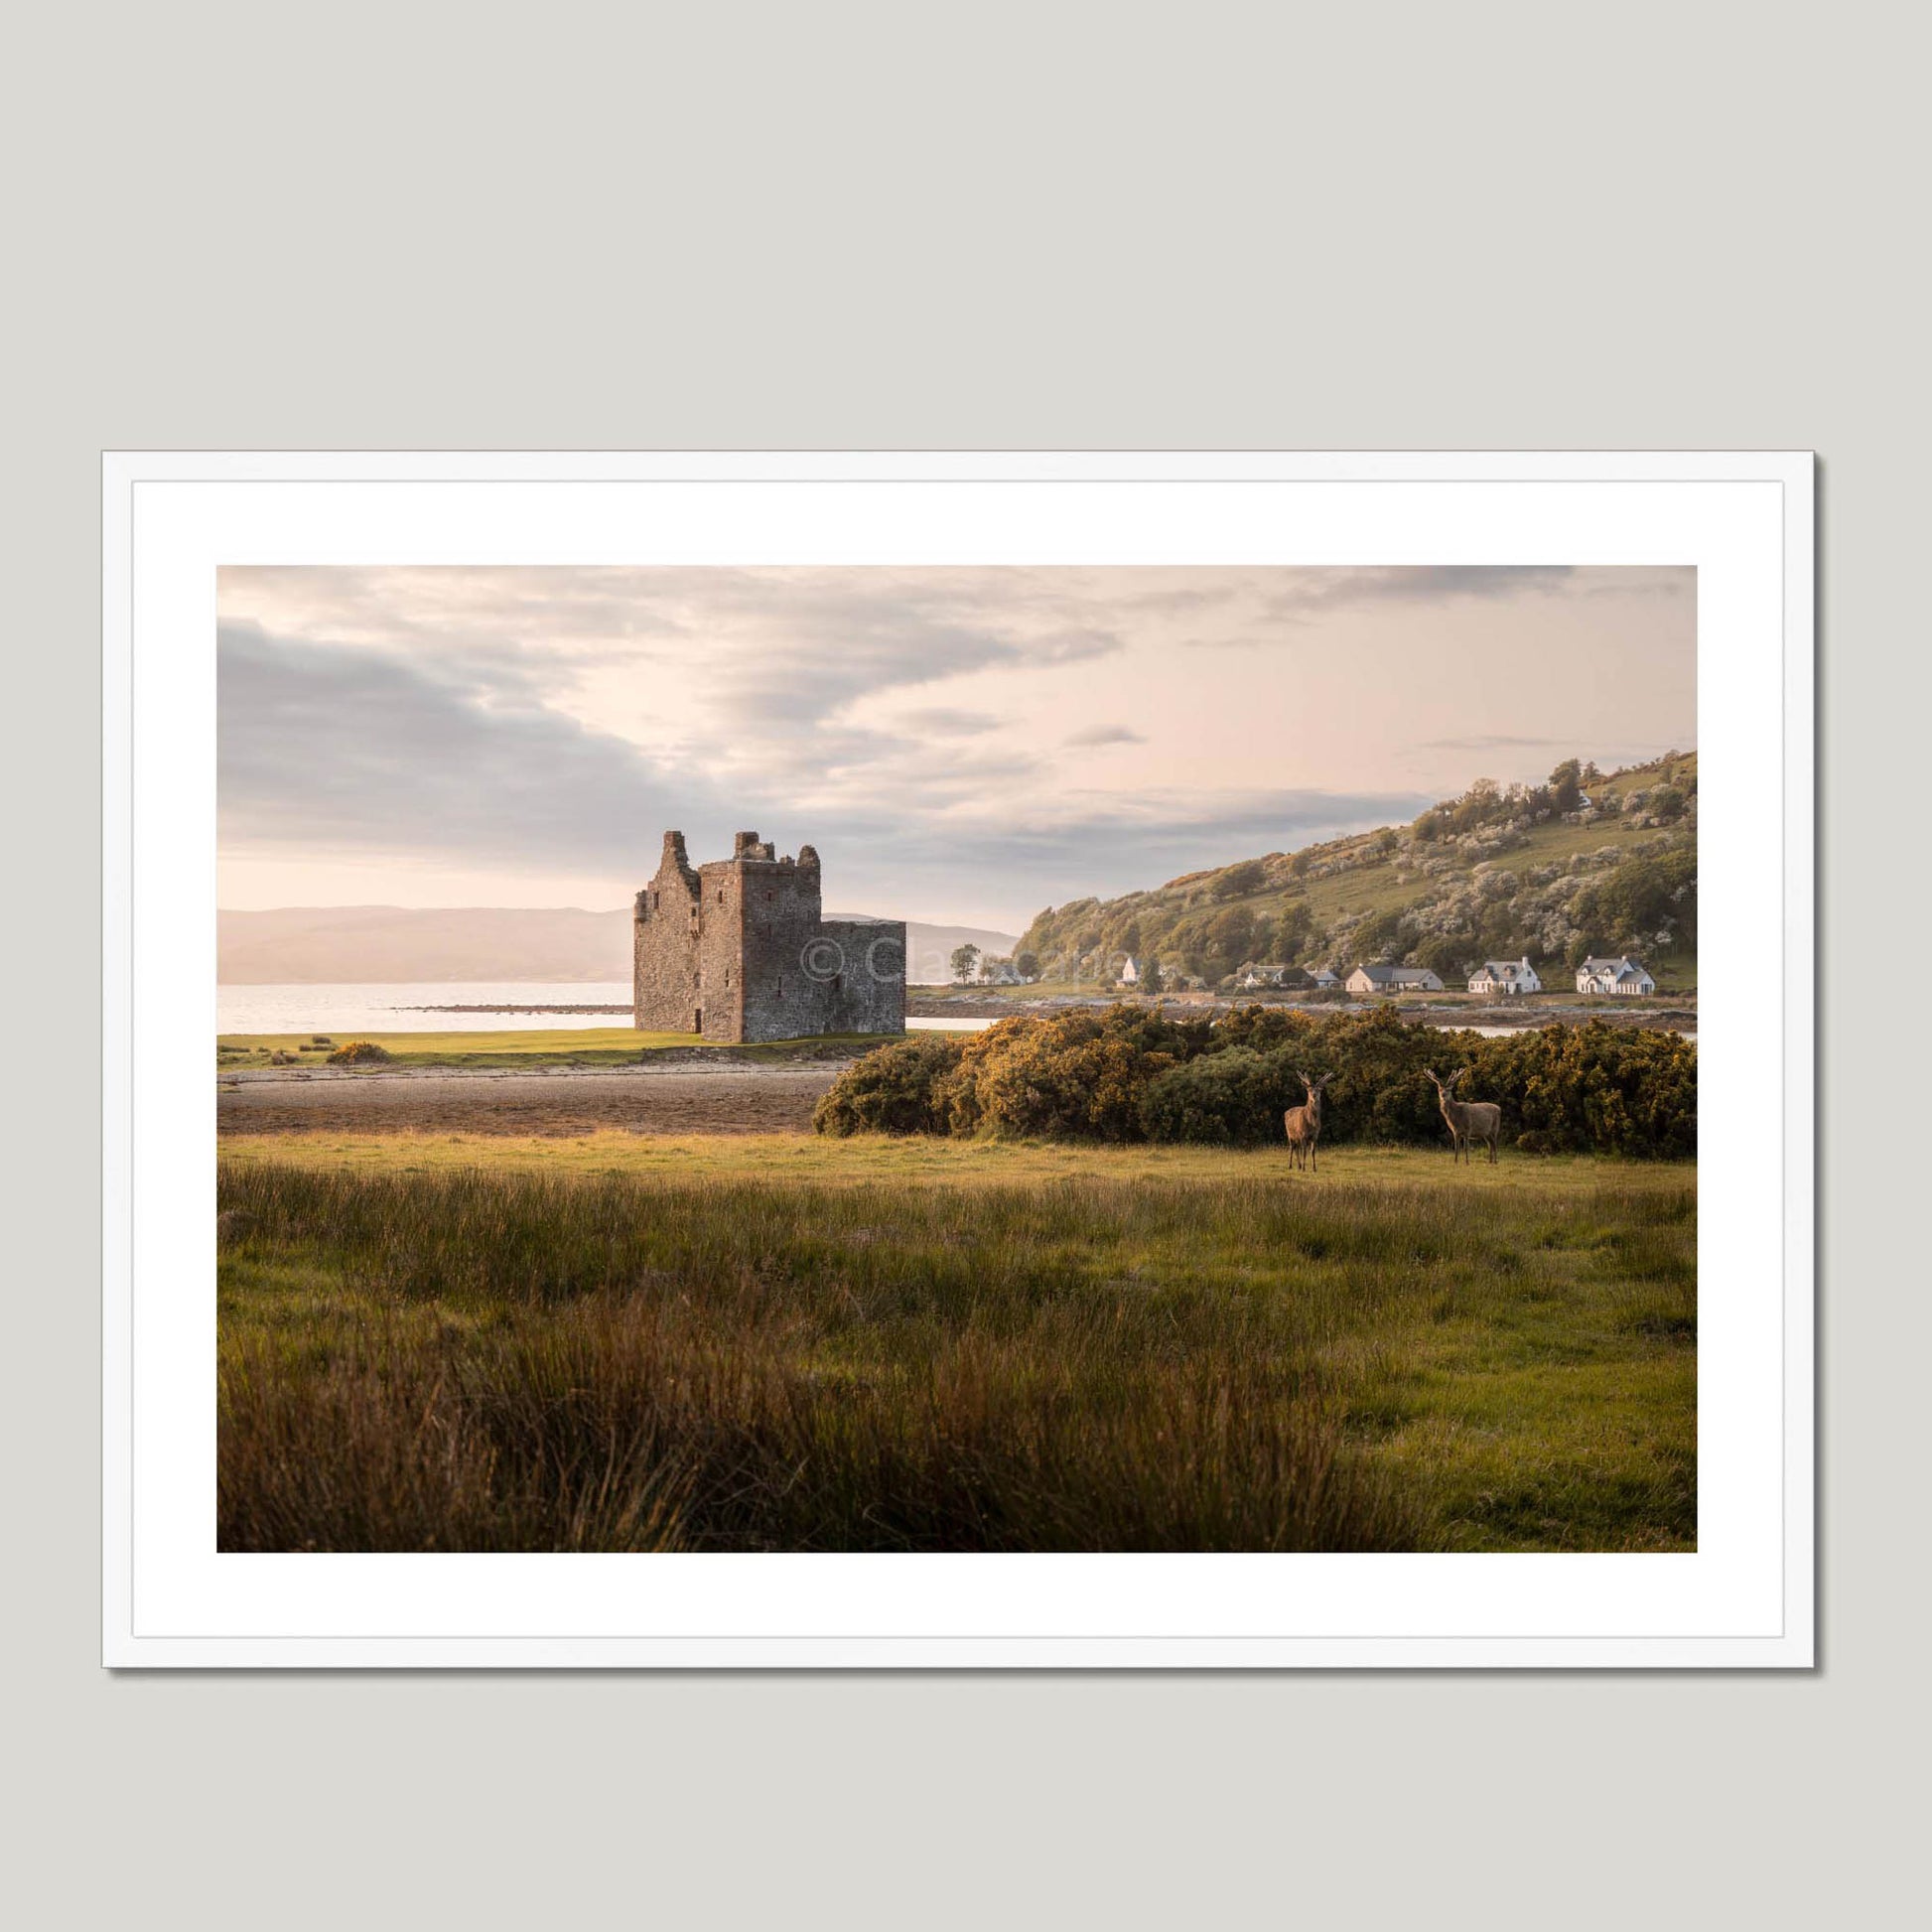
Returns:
(1676,1015)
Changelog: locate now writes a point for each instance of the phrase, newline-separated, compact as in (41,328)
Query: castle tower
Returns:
(664,946)
(740,949)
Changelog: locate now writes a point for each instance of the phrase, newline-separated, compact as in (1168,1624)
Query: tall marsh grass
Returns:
(489,1361)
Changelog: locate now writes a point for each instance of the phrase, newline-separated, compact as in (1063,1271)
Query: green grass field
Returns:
(507,1047)
(629,1342)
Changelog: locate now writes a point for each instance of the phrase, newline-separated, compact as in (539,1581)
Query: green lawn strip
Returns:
(507,1047)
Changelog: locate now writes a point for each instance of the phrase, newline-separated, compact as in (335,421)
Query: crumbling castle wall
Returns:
(739,949)
(664,946)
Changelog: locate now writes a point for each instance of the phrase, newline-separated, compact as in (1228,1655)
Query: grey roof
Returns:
(1600,965)
(1395,972)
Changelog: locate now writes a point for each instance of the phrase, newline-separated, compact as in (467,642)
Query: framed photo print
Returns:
(976,1060)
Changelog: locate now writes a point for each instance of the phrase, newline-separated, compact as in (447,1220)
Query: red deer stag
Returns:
(1304,1124)
(1468,1120)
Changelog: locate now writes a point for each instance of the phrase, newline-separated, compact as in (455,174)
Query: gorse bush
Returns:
(1133,1076)
(897,1090)
(1227,1099)
(1079,1076)
(1615,1090)
(361,1052)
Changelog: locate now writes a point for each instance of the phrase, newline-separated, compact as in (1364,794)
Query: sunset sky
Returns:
(961,745)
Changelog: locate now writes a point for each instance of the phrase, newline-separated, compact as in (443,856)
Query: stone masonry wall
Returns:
(664,946)
(739,951)
(868,993)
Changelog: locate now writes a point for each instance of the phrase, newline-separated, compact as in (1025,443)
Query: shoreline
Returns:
(1670,1016)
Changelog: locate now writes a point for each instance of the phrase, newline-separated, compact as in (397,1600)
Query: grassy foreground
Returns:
(622,1342)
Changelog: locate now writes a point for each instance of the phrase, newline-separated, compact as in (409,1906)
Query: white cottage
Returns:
(1393,979)
(1617,976)
(1506,976)
(1131,973)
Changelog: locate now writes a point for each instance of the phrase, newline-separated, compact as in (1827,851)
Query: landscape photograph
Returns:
(992,1058)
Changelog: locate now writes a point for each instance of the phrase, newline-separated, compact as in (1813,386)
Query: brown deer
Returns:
(1468,1120)
(1304,1123)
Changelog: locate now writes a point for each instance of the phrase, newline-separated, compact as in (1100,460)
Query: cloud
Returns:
(942,721)
(329,748)
(1096,847)
(913,722)
(346,750)
(1308,593)
(789,645)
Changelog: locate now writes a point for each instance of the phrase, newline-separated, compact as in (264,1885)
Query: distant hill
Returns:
(304,945)
(1491,874)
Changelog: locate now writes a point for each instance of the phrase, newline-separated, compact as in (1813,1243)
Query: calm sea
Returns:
(408,1008)
(411,1010)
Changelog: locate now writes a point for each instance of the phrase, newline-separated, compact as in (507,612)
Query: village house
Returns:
(1393,979)
(1132,973)
(1506,976)
(1619,975)
(1325,978)
(1273,976)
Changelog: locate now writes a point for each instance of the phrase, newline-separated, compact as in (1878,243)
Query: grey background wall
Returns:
(1000,226)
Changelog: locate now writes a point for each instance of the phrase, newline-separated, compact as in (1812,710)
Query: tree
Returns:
(1292,929)
(1250,876)
(1027,965)
(1565,785)
(1150,981)
(1442,955)
(1477,806)
(1299,864)
(1230,935)
(1376,936)
(964,960)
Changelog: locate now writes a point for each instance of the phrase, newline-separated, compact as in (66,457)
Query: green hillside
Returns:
(1493,874)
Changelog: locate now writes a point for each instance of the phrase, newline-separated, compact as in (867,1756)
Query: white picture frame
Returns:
(1745,1598)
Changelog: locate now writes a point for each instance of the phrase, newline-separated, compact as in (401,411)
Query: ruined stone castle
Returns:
(739,950)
